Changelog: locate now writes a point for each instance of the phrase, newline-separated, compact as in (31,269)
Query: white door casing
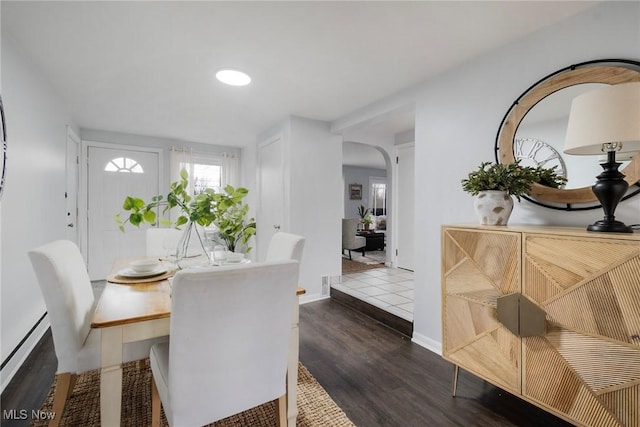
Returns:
(404,210)
(72,182)
(106,191)
(271,193)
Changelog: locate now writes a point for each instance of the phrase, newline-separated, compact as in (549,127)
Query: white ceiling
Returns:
(147,67)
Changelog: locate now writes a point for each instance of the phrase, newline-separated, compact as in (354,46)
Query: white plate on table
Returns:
(240,261)
(129,272)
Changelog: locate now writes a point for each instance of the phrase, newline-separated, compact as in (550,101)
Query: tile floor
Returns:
(390,289)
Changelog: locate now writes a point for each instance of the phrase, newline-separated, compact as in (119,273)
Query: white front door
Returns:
(270,214)
(405,221)
(112,174)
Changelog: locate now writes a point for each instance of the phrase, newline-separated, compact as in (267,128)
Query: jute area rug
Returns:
(315,407)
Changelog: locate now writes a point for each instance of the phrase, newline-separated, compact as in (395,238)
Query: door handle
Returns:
(70,225)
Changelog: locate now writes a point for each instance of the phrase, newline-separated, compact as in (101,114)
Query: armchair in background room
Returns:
(350,240)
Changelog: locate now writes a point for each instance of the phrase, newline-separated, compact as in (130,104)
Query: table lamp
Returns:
(607,121)
(621,157)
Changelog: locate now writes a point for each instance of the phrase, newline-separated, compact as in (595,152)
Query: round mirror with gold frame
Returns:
(540,115)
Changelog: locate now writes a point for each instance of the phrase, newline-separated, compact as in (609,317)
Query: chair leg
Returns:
(155,404)
(64,387)
(281,413)
(349,253)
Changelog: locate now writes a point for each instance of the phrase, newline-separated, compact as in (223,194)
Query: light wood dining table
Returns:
(138,311)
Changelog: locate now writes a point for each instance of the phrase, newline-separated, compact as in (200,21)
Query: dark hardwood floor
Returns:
(29,387)
(380,378)
(374,373)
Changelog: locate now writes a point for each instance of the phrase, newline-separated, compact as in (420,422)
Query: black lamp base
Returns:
(609,189)
(610,227)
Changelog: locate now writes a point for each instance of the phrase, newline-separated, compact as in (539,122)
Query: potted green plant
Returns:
(494,184)
(226,211)
(363,213)
(367,221)
(229,217)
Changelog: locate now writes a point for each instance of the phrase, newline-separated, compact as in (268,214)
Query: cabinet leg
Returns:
(454,385)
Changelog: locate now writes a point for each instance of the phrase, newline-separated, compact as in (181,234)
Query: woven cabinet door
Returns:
(478,267)
(587,365)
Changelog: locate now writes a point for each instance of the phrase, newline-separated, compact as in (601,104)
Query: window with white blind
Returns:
(378,196)
(206,170)
(207,173)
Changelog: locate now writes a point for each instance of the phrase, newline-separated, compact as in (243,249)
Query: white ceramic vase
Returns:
(493,207)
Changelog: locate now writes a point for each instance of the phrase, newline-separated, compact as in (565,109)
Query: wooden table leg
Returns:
(292,370)
(111,376)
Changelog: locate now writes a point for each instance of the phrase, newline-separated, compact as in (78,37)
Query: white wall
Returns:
(33,205)
(457,116)
(358,175)
(316,180)
(313,163)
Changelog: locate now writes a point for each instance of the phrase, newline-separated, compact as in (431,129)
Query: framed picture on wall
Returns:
(355,191)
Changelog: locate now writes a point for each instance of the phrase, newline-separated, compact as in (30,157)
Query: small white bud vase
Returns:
(493,207)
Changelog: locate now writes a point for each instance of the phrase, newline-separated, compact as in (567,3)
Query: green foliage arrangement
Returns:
(549,178)
(363,212)
(229,216)
(226,211)
(513,178)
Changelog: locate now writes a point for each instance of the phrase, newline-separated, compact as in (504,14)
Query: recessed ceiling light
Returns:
(233,77)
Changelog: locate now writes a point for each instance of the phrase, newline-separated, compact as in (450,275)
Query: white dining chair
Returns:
(350,240)
(70,302)
(160,241)
(285,246)
(228,352)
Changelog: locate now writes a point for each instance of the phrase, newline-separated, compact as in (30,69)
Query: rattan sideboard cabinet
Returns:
(583,364)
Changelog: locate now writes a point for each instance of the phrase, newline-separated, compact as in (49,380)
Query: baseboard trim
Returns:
(14,361)
(306,298)
(428,343)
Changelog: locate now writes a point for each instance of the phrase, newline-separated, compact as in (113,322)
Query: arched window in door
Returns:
(123,164)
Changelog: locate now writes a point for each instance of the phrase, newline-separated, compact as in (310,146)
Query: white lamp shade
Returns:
(610,114)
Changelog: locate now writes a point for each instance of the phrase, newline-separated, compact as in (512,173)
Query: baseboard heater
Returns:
(26,337)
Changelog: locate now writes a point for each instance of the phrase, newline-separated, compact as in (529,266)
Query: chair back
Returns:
(285,246)
(160,239)
(68,296)
(349,230)
(230,331)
